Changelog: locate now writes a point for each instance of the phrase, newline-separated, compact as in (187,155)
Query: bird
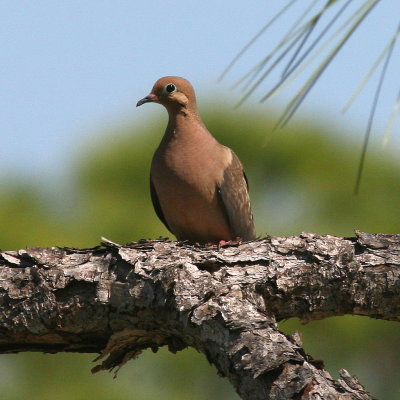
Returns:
(198,186)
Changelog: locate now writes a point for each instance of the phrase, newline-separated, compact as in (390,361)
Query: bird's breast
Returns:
(192,164)
(185,179)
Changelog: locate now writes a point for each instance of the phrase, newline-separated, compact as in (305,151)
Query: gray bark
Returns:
(225,302)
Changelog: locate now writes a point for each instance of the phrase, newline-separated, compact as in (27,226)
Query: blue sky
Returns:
(70,68)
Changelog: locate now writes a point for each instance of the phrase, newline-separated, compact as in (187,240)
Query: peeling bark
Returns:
(225,302)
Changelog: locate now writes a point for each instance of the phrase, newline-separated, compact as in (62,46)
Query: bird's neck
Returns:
(183,121)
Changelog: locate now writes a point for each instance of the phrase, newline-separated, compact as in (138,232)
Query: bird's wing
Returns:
(235,201)
(156,204)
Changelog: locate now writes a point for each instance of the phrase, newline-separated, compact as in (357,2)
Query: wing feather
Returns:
(234,197)
(157,205)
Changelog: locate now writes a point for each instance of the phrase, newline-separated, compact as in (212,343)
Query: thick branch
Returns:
(119,300)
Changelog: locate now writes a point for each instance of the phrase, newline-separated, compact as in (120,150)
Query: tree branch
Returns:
(118,300)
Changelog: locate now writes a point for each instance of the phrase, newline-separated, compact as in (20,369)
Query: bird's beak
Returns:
(148,99)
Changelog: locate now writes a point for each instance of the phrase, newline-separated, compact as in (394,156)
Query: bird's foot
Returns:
(224,243)
(227,243)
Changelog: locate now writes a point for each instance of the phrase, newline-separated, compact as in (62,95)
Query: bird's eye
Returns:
(170,88)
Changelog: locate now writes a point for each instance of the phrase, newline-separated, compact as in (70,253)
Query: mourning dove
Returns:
(198,186)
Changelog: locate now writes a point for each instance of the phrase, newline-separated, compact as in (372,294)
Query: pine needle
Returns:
(371,119)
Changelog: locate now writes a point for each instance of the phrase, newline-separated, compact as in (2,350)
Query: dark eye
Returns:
(170,88)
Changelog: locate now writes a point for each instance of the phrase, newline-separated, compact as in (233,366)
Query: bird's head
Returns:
(172,92)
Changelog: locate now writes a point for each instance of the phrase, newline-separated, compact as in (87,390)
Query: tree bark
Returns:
(225,302)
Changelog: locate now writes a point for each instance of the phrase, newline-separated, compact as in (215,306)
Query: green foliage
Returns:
(185,375)
(301,179)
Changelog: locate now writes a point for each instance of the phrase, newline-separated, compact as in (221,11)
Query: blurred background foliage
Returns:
(301,179)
